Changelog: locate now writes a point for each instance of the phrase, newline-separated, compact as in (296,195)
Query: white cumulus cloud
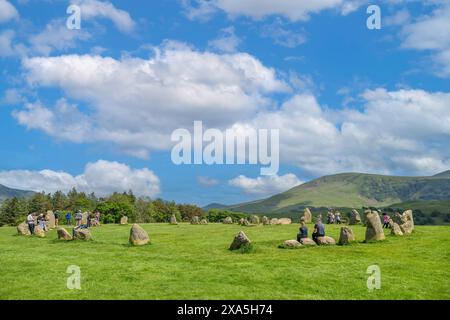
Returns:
(265,185)
(102,177)
(7,11)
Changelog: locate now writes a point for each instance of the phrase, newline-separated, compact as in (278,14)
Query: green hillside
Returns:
(353,190)
(6,193)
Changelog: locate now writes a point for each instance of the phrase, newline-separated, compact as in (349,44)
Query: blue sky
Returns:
(94,108)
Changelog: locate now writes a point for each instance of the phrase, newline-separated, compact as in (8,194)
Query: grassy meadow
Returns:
(193,262)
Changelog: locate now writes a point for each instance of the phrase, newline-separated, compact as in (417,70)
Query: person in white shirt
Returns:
(30,222)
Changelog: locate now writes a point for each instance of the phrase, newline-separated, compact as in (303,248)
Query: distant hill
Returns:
(214,206)
(353,190)
(6,193)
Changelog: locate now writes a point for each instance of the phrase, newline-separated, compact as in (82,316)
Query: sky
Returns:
(95,107)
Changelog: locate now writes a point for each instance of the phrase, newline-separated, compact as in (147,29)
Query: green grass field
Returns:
(192,262)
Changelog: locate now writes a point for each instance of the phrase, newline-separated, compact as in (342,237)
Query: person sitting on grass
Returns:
(30,222)
(319,230)
(303,231)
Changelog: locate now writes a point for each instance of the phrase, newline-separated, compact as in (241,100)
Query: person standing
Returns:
(57,218)
(338,217)
(30,222)
(69,218)
(386,219)
(41,221)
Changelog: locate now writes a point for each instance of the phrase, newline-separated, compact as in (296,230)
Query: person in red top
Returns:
(386,219)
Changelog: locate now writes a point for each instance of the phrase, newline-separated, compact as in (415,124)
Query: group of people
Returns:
(41,220)
(333,218)
(319,231)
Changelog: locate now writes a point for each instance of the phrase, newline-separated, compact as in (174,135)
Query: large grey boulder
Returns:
(374,229)
(82,234)
(325,240)
(124,220)
(355,218)
(274,221)
(63,234)
(346,236)
(173,219)
(23,229)
(239,241)
(265,221)
(39,232)
(50,217)
(254,219)
(228,220)
(195,220)
(395,228)
(308,242)
(138,236)
(284,221)
(291,244)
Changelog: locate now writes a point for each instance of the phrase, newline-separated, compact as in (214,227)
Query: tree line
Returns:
(138,209)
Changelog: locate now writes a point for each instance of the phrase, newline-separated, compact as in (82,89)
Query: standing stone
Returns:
(346,236)
(173,220)
(355,218)
(265,221)
(274,221)
(307,242)
(240,240)
(254,219)
(95,223)
(203,221)
(82,234)
(138,236)
(195,220)
(39,232)
(307,216)
(374,230)
(395,228)
(50,217)
(284,221)
(228,220)
(23,229)
(407,226)
(63,234)
(124,220)
(84,217)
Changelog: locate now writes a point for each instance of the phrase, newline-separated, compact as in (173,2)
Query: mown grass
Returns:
(193,262)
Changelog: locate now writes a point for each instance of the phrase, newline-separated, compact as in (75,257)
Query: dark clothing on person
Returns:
(31,227)
(303,233)
(319,231)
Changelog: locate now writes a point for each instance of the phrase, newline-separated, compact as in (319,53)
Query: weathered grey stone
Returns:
(82,234)
(291,244)
(355,218)
(23,229)
(284,221)
(254,219)
(307,242)
(307,216)
(50,217)
(39,232)
(239,241)
(374,228)
(124,220)
(228,220)
(195,220)
(63,234)
(325,240)
(203,221)
(173,220)
(138,236)
(346,236)
(84,218)
(274,221)
(265,221)
(395,228)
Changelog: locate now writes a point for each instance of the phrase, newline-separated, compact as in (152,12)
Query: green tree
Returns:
(12,211)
